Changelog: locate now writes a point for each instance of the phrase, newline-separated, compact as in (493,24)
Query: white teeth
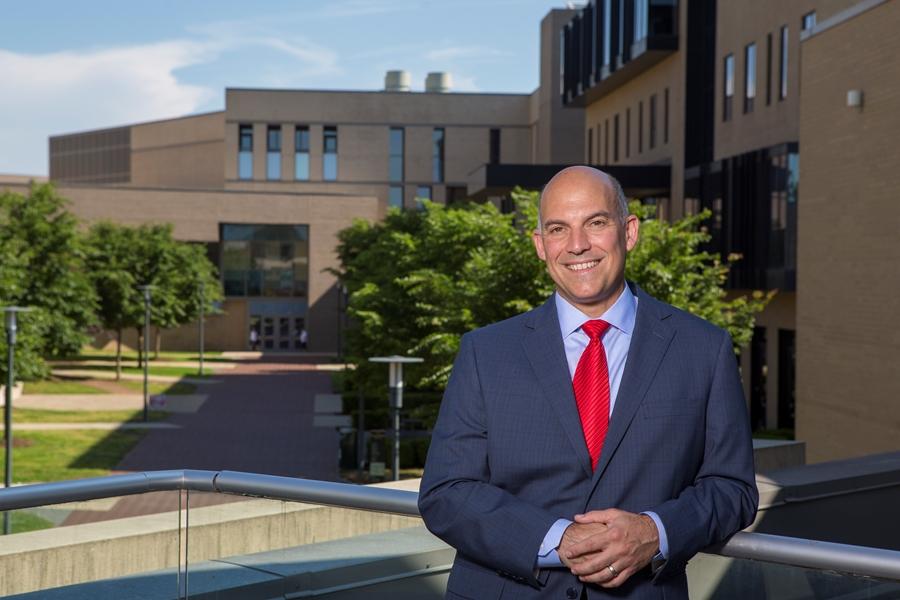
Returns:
(582,266)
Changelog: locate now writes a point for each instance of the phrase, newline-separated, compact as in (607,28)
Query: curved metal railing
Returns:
(859,561)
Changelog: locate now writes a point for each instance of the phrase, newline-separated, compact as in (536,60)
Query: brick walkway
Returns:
(258,419)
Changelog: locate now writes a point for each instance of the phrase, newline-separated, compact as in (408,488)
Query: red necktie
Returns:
(591,385)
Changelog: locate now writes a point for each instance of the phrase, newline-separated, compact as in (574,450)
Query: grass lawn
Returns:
(132,356)
(31,415)
(174,371)
(22,521)
(60,386)
(179,388)
(73,454)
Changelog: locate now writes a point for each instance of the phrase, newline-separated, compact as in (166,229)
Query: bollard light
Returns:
(146,289)
(11,329)
(202,290)
(395,398)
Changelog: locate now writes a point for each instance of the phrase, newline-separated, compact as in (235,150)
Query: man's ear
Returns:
(538,241)
(632,232)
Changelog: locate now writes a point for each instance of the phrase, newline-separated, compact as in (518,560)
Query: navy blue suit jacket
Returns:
(508,457)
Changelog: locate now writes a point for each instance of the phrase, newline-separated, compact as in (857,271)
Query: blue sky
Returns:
(69,66)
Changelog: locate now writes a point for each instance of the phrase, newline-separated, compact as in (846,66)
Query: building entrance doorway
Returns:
(280,333)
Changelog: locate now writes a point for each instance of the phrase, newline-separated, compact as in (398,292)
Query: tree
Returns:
(121,258)
(44,268)
(420,279)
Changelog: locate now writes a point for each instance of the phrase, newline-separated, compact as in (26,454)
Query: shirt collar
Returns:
(620,315)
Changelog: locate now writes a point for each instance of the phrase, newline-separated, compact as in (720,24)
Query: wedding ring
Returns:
(612,570)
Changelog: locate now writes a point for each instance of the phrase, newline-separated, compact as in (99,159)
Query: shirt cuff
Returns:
(547,555)
(663,539)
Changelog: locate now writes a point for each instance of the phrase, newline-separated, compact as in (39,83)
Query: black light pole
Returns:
(146,290)
(201,325)
(11,328)
(395,399)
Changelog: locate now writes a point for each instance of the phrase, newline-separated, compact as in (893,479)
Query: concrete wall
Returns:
(848,281)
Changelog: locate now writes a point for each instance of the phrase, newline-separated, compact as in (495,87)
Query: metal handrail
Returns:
(859,561)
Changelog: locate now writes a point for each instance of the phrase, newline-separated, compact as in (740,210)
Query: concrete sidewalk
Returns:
(106,375)
(187,403)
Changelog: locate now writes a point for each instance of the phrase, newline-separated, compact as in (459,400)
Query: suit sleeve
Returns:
(457,500)
(723,498)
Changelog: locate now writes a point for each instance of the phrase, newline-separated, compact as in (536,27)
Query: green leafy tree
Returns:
(123,258)
(43,268)
(420,279)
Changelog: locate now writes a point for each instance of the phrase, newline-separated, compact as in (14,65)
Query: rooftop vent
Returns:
(396,81)
(439,82)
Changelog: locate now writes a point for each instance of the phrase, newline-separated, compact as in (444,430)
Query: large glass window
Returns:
(437,155)
(301,153)
(395,196)
(395,166)
(641,10)
(607,32)
(423,192)
(728,87)
(245,151)
(330,153)
(265,260)
(273,152)
(782,88)
(749,77)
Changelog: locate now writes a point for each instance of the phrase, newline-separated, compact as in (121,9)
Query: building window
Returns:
(606,140)
(783,54)
(494,158)
(590,145)
(329,153)
(607,32)
(423,192)
(301,153)
(749,77)
(273,152)
(768,69)
(437,155)
(616,138)
(666,116)
(456,193)
(265,260)
(653,121)
(728,87)
(395,196)
(641,10)
(808,21)
(627,132)
(245,151)
(640,126)
(396,153)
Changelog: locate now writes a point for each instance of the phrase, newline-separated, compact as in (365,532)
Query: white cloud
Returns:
(69,91)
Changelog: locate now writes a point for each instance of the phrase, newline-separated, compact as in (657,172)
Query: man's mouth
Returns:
(583,266)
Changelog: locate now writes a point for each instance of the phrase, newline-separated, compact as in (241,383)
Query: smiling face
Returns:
(583,239)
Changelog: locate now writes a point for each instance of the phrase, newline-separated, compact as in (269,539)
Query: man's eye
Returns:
(598,223)
(555,230)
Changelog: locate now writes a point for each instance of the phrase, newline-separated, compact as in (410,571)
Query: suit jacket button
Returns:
(571,593)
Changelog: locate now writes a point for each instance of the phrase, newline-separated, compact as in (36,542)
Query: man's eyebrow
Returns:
(600,213)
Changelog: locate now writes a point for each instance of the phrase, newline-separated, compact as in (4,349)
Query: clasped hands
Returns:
(603,538)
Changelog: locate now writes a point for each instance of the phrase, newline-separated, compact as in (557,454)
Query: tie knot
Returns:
(594,328)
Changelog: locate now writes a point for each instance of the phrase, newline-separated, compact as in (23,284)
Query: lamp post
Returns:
(11,328)
(202,302)
(146,289)
(395,399)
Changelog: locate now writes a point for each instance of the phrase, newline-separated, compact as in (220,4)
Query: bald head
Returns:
(585,178)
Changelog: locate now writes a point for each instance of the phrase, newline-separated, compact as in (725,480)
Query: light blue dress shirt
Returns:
(616,341)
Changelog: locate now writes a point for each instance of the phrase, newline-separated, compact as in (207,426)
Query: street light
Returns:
(146,290)
(201,326)
(395,398)
(11,328)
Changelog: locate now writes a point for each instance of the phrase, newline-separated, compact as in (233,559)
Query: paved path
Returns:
(100,374)
(258,419)
(184,403)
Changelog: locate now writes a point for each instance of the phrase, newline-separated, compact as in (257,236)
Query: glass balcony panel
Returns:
(55,549)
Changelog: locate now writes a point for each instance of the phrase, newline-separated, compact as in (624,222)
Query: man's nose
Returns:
(578,241)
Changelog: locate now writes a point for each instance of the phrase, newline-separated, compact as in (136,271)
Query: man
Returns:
(588,438)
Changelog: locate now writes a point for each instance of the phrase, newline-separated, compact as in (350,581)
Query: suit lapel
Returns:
(649,342)
(544,347)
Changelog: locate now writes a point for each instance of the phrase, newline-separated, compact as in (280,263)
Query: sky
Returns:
(72,66)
